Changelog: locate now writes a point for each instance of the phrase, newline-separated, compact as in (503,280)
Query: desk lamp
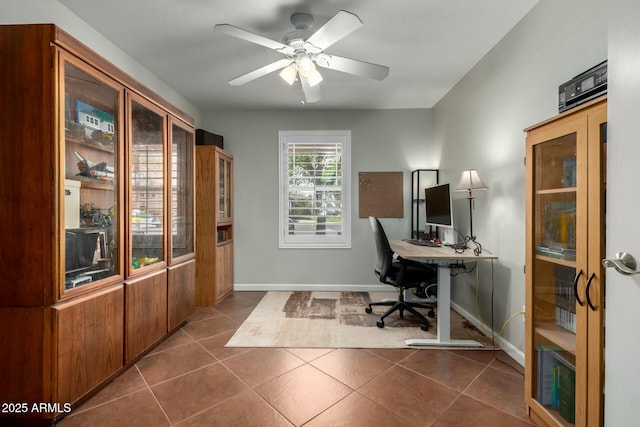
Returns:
(470,180)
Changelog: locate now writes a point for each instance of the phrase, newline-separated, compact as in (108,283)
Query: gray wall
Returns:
(479,125)
(381,140)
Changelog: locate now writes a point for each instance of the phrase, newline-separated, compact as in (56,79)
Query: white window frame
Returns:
(301,137)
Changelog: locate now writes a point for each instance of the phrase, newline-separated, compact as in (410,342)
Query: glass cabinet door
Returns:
(182,195)
(91,141)
(147,184)
(559,227)
(224,188)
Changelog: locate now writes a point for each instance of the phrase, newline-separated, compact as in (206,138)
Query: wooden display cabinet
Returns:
(77,207)
(565,282)
(214,216)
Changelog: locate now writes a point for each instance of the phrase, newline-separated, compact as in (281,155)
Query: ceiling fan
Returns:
(304,49)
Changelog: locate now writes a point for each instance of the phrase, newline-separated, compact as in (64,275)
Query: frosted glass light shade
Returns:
(289,74)
(305,66)
(314,78)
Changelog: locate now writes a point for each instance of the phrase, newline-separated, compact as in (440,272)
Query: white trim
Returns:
(514,352)
(311,287)
(342,137)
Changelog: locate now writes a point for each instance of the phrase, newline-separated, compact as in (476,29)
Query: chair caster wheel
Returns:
(424,327)
(431,314)
(380,324)
(368,310)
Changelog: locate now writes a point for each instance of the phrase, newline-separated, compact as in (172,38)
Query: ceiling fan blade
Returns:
(311,93)
(340,25)
(353,66)
(262,71)
(252,37)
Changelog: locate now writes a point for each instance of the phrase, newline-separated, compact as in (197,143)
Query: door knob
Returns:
(624,263)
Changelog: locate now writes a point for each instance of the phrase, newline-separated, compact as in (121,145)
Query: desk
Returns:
(443,256)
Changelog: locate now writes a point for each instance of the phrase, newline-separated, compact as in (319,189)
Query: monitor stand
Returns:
(448,236)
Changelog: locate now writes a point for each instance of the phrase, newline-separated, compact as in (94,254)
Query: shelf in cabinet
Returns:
(557,335)
(557,190)
(566,263)
(224,242)
(93,183)
(91,144)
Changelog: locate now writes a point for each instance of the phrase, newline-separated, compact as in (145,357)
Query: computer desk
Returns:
(442,256)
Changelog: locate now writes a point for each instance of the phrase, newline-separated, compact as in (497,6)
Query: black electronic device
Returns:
(439,210)
(425,242)
(583,87)
(83,246)
(438,206)
(204,137)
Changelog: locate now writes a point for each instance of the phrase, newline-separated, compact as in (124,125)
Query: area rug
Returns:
(336,320)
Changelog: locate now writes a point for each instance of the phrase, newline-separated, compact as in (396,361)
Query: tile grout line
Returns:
(154,395)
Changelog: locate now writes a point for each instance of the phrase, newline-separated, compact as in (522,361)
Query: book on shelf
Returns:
(567,393)
(565,311)
(556,378)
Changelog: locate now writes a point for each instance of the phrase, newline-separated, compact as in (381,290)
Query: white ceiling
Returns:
(429,46)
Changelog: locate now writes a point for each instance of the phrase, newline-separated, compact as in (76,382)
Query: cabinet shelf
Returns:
(96,184)
(557,335)
(564,262)
(562,190)
(90,144)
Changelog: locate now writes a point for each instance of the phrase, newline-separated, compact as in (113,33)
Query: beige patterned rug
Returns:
(336,320)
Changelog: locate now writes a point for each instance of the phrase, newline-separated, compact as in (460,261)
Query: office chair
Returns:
(402,274)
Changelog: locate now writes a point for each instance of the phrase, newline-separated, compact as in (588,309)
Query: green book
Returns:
(567,392)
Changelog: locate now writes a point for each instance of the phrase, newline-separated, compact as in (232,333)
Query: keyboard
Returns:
(421,242)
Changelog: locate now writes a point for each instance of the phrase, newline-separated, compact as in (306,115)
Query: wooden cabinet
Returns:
(214,227)
(565,282)
(97,185)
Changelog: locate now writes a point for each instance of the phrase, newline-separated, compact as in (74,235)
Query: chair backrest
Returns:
(384,258)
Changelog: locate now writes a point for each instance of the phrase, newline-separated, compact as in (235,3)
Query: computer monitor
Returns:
(439,210)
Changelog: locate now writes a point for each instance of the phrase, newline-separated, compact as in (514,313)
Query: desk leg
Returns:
(444,317)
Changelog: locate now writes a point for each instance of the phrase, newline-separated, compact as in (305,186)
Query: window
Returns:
(315,202)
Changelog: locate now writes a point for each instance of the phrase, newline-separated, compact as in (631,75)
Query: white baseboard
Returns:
(514,352)
(311,287)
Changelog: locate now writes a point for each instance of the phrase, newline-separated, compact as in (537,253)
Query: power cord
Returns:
(483,326)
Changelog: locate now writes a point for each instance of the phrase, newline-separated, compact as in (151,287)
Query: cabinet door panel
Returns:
(89,342)
(146,313)
(182,194)
(181,295)
(224,270)
(147,196)
(91,136)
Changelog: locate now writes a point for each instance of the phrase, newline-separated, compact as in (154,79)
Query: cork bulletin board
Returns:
(380,194)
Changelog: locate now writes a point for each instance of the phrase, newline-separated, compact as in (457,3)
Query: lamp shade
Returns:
(470,180)
(314,78)
(289,74)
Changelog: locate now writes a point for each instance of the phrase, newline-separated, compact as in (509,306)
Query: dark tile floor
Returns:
(191,379)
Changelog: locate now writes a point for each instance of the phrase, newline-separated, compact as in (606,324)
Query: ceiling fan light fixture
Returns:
(314,78)
(305,66)
(289,74)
